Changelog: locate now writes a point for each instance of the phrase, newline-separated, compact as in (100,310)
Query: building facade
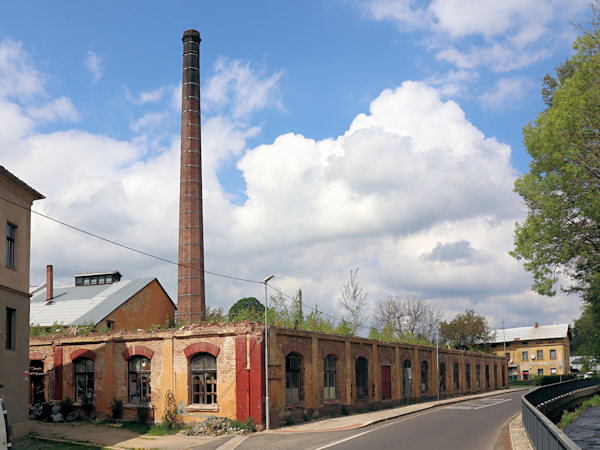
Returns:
(537,350)
(16,199)
(219,370)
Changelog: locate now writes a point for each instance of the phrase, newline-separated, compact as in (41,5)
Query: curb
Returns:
(426,406)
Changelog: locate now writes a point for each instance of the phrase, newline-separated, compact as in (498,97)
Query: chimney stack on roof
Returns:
(190,283)
(49,282)
(536,325)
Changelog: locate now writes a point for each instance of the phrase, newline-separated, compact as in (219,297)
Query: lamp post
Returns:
(437,358)
(265,281)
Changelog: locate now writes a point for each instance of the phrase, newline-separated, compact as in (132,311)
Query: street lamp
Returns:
(265,281)
(437,358)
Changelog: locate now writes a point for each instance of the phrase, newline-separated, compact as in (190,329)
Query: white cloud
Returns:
(412,193)
(59,108)
(18,77)
(95,65)
(241,88)
(501,35)
(504,93)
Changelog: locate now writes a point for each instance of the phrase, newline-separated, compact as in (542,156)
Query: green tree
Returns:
(248,308)
(468,331)
(586,334)
(561,234)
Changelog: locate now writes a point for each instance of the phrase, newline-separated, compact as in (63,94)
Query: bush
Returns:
(116,408)
(344,411)
(66,407)
(289,420)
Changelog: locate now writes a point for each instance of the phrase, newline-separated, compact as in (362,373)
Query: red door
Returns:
(386,382)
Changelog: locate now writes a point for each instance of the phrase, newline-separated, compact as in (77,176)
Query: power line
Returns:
(133,249)
(127,247)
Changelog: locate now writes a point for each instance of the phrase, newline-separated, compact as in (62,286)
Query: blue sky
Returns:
(384,135)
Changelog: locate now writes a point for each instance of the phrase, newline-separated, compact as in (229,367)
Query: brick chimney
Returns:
(190,283)
(49,282)
(536,325)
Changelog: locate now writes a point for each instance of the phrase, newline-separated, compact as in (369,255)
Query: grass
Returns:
(29,442)
(568,417)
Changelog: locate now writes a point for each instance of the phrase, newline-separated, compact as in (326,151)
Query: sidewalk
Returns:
(118,438)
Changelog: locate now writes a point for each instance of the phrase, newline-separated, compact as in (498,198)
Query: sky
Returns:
(383,135)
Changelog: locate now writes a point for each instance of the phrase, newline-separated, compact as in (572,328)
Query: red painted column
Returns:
(242,382)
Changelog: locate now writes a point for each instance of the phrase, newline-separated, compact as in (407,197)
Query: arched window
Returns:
(442,377)
(362,390)
(406,376)
(424,376)
(478,377)
(203,378)
(293,366)
(84,379)
(329,377)
(456,377)
(139,379)
(487,376)
(468,376)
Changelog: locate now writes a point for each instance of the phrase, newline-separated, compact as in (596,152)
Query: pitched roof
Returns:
(556,331)
(79,305)
(35,194)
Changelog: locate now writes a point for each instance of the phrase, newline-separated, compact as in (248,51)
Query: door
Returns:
(386,382)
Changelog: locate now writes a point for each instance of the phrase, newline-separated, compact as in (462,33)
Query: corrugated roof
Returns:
(78,305)
(557,331)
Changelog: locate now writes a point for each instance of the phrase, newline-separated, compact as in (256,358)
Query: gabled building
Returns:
(102,299)
(16,199)
(536,350)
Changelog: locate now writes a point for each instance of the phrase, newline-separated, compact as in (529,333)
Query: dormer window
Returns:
(91,279)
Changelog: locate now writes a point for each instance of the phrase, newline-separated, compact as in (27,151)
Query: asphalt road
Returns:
(473,424)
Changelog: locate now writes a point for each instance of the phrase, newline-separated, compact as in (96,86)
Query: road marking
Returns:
(479,404)
(346,439)
(233,443)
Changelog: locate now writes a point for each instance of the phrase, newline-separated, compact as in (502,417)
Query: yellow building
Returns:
(16,198)
(536,350)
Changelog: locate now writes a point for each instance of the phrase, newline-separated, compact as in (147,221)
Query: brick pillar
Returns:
(190,287)
(348,375)
(58,371)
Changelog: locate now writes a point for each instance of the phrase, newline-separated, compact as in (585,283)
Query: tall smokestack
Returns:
(49,283)
(190,285)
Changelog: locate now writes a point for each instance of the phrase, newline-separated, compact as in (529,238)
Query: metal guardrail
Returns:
(542,432)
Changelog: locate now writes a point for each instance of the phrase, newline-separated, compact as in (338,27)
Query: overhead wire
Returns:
(159,258)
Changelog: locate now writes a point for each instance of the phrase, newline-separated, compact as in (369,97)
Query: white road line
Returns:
(346,439)
(233,442)
(494,404)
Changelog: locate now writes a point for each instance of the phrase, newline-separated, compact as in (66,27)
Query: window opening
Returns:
(292,378)
(139,379)
(11,329)
(84,379)
(11,231)
(424,376)
(361,378)
(329,378)
(203,373)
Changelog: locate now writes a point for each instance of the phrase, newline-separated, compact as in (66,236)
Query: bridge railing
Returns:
(542,432)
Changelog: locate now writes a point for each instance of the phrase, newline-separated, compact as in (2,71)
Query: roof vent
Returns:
(92,279)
